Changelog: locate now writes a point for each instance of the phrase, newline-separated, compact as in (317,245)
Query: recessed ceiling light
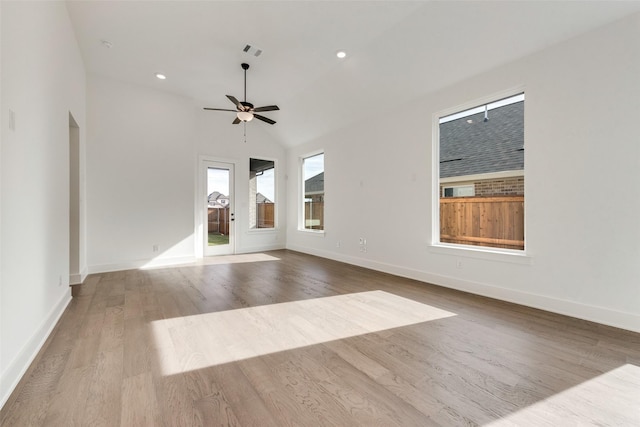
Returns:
(161,76)
(341,54)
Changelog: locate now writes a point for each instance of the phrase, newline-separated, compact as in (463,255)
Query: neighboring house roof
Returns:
(260,198)
(483,147)
(215,196)
(315,184)
(217,199)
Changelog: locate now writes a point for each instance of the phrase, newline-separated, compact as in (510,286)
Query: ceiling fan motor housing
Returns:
(246,106)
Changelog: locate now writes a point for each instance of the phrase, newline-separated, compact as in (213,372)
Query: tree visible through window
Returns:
(313,192)
(481,184)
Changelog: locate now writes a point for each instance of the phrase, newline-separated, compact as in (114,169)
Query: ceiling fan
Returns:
(245,111)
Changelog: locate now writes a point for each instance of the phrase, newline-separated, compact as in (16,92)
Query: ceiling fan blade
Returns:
(264,119)
(235,101)
(220,109)
(236,121)
(267,108)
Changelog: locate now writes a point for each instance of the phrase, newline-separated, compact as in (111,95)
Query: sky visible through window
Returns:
(265,184)
(480,109)
(313,166)
(218,180)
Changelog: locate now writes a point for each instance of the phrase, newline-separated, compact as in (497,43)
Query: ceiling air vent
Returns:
(252,50)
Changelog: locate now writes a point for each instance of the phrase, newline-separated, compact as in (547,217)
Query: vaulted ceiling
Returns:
(397,51)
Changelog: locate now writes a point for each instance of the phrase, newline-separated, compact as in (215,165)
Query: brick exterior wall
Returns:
(513,186)
(500,187)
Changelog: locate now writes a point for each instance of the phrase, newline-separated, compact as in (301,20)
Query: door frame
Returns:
(201,241)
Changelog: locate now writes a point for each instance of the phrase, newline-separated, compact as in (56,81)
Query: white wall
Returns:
(139,175)
(218,138)
(42,81)
(142,162)
(582,193)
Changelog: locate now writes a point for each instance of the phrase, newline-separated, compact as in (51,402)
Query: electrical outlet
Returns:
(338,244)
(60,280)
(459,263)
(156,248)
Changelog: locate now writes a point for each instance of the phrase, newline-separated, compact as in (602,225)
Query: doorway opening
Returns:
(218,207)
(74,202)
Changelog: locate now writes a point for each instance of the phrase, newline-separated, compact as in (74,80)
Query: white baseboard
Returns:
(591,313)
(261,248)
(167,262)
(145,263)
(19,365)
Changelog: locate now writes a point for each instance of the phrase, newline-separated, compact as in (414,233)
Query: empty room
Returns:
(319,213)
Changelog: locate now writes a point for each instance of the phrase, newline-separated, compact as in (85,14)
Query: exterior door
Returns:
(219,214)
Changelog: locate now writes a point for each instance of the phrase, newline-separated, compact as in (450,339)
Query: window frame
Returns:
(472,251)
(454,187)
(275,195)
(301,195)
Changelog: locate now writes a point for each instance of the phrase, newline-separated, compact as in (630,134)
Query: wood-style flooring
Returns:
(288,339)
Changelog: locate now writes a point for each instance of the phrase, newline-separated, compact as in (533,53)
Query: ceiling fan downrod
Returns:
(245,67)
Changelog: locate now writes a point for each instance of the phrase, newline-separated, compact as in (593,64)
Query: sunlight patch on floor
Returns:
(211,260)
(194,342)
(612,398)
(236,259)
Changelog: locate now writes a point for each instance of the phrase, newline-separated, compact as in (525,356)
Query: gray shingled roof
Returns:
(315,184)
(483,147)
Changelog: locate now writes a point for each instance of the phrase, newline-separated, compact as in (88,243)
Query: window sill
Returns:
(262,230)
(317,233)
(485,253)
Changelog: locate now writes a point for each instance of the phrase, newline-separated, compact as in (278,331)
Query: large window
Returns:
(481,175)
(262,193)
(313,192)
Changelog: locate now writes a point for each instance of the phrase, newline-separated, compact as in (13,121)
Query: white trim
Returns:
(602,315)
(276,196)
(273,230)
(78,279)
(261,248)
(203,167)
(317,233)
(483,176)
(301,191)
(21,362)
(496,96)
(135,265)
(482,252)
(435,171)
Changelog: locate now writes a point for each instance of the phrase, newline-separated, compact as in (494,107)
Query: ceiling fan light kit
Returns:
(245,116)
(245,111)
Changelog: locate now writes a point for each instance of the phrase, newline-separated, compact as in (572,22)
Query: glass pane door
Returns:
(219,212)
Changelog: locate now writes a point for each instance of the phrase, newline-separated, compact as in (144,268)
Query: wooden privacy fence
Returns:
(218,220)
(483,221)
(314,215)
(265,215)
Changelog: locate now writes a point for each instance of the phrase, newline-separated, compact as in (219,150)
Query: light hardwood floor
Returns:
(287,339)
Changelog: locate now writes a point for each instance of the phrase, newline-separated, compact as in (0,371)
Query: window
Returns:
(313,192)
(262,194)
(481,175)
(458,191)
